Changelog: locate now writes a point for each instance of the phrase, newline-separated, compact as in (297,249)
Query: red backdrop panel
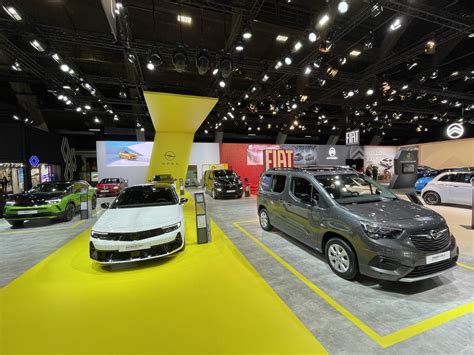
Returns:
(235,155)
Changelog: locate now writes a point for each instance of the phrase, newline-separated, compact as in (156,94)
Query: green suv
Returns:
(49,200)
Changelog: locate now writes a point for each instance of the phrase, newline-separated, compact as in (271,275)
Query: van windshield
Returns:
(354,188)
(224,173)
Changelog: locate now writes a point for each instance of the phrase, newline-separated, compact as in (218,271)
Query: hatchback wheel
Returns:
(69,212)
(94,202)
(341,258)
(432,198)
(265,220)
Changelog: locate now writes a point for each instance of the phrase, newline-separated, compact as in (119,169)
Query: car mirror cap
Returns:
(183,200)
(105,205)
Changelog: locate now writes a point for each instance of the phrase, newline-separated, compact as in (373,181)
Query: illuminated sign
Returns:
(455,130)
(34,161)
(277,158)
(353,137)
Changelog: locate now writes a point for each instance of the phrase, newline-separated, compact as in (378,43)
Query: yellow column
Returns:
(175,118)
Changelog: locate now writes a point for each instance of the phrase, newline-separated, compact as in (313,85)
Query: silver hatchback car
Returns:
(360,226)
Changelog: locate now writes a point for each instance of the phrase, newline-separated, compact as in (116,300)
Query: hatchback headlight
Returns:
(53,201)
(10,203)
(171,227)
(376,231)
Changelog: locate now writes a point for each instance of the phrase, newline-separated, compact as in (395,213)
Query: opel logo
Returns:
(169,155)
(434,234)
(455,130)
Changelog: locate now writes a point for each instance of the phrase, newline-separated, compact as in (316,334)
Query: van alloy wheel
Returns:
(264,220)
(342,258)
(338,258)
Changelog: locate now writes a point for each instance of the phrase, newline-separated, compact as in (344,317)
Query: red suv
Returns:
(110,186)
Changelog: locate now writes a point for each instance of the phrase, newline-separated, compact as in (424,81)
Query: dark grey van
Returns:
(360,226)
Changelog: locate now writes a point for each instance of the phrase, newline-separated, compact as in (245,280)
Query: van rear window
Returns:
(279,183)
(265,183)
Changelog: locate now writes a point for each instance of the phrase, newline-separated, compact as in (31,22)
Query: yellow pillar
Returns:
(175,118)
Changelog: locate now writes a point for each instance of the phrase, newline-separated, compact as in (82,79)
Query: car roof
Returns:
(163,185)
(316,170)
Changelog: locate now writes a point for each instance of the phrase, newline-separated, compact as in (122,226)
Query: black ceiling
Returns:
(406,106)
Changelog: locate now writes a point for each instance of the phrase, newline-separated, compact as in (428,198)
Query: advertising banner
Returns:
(278,158)
(331,154)
(255,153)
(381,161)
(303,154)
(127,153)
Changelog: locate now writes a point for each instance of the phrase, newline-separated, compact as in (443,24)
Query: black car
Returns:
(222,183)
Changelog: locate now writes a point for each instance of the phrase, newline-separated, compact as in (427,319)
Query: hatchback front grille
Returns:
(429,269)
(133,236)
(431,240)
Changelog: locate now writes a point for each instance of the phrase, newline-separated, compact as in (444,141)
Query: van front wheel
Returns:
(265,220)
(341,258)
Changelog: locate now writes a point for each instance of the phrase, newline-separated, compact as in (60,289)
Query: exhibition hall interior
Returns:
(236,177)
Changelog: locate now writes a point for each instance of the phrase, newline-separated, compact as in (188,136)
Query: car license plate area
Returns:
(28,212)
(104,190)
(430,259)
(134,246)
(230,191)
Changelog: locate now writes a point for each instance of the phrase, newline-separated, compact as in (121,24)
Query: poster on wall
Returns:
(118,154)
(255,152)
(304,155)
(332,155)
(382,158)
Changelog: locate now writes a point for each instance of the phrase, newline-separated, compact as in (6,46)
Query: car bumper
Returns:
(115,252)
(237,192)
(19,213)
(407,266)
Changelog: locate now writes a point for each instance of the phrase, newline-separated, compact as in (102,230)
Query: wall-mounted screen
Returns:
(408,168)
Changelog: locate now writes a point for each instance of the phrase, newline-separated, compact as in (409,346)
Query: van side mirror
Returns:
(105,205)
(183,200)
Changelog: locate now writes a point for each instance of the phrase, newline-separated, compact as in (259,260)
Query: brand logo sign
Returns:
(332,154)
(170,156)
(69,157)
(434,234)
(455,130)
(34,161)
(352,137)
(277,158)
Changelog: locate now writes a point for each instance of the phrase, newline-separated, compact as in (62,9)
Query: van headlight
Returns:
(171,227)
(376,231)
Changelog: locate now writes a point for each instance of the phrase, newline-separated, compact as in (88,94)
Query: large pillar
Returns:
(175,118)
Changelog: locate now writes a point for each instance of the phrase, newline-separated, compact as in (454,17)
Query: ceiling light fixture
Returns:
(411,65)
(64,67)
(226,66)
(342,7)
(297,46)
(185,19)
(16,66)
(37,45)
(203,62)
(180,59)
(247,32)
(265,78)
(282,38)
(376,10)
(354,53)
(326,46)
(342,60)
(312,36)
(239,46)
(307,70)
(324,20)
(370,92)
(154,60)
(222,83)
(288,60)
(430,47)
(278,65)
(12,12)
(56,57)
(317,62)
(396,24)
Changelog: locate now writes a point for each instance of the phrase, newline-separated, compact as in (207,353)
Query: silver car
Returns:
(360,226)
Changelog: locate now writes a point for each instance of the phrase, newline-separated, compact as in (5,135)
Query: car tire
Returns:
(16,223)
(213,194)
(264,220)
(341,258)
(69,212)
(432,198)
(94,202)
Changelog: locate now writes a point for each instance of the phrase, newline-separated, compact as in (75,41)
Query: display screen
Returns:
(408,168)
(119,154)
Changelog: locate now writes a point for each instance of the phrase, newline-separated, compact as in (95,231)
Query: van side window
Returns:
(303,189)
(279,183)
(265,184)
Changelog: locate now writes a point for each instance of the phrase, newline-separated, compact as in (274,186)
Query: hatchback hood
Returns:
(137,219)
(397,210)
(35,197)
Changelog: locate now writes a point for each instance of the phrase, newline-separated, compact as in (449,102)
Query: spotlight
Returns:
(87,106)
(116,118)
(342,7)
(56,57)
(317,62)
(321,82)
(64,67)
(307,70)
(405,86)
(239,46)
(422,79)
(12,12)
(131,57)
(16,66)
(396,24)
(215,71)
(323,20)
(37,45)
(297,46)
(376,10)
(222,83)
(118,7)
(203,62)
(265,78)
(282,38)
(342,60)
(312,36)
(411,65)
(288,60)
(434,74)
(430,47)
(331,71)
(180,59)
(247,33)
(278,65)
(354,53)
(122,94)
(78,109)
(16,118)
(326,46)
(226,67)
(370,92)
(368,44)
(96,119)
(154,60)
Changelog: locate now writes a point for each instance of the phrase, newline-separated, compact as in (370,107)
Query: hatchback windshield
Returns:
(354,188)
(109,181)
(224,173)
(163,178)
(145,197)
(51,187)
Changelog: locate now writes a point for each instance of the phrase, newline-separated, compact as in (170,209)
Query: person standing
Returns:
(368,171)
(375,172)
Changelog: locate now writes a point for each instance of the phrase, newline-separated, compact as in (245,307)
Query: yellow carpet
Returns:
(206,300)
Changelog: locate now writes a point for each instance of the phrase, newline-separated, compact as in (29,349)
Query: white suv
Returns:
(450,187)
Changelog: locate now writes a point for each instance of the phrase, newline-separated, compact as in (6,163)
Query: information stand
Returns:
(181,187)
(86,205)
(247,188)
(202,230)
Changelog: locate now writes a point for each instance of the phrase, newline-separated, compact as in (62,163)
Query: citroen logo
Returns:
(455,130)
(434,234)
(169,155)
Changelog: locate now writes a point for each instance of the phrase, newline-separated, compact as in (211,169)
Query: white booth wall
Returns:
(202,155)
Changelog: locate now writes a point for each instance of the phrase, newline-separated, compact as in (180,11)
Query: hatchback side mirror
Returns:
(105,205)
(183,200)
